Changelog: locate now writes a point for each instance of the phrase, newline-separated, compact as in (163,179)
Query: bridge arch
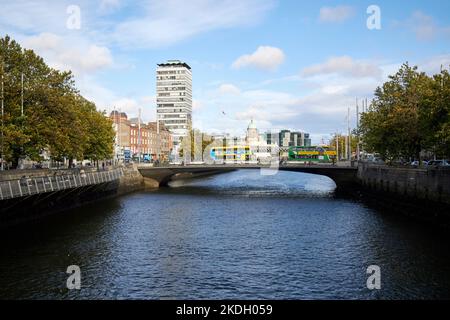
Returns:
(345,178)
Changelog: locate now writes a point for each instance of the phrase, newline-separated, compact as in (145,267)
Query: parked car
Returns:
(376,160)
(416,163)
(439,163)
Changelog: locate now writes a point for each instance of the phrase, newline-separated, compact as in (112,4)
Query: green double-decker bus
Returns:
(311,154)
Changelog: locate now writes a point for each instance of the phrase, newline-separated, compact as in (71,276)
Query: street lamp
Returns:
(139,136)
(158,141)
(3,111)
(21,95)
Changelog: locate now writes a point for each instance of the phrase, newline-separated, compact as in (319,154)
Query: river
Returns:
(239,235)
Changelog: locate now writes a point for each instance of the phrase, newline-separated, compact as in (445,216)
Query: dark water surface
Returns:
(233,236)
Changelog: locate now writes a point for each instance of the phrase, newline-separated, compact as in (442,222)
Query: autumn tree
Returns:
(340,141)
(409,115)
(55,118)
(196,142)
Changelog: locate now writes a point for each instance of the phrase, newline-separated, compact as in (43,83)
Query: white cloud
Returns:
(107,6)
(433,65)
(228,88)
(126,105)
(149,100)
(197,104)
(336,14)
(264,58)
(424,27)
(80,57)
(334,89)
(147,24)
(131,107)
(345,66)
(320,108)
(162,23)
(321,111)
(43,42)
(91,90)
(33,16)
(84,59)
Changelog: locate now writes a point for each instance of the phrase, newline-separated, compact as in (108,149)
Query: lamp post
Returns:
(21,95)
(139,136)
(119,135)
(349,142)
(2,150)
(357,129)
(158,140)
(21,114)
(337,147)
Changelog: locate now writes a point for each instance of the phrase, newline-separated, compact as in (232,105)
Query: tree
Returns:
(56,118)
(341,144)
(408,115)
(192,141)
(435,115)
(100,139)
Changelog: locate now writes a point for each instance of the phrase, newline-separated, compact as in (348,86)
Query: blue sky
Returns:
(286,64)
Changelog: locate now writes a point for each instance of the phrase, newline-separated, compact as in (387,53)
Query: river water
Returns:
(240,235)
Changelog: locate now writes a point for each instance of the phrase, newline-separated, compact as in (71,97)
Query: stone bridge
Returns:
(344,177)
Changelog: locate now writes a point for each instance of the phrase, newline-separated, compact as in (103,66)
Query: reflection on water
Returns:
(236,235)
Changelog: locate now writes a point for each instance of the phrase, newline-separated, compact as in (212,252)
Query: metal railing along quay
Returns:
(27,186)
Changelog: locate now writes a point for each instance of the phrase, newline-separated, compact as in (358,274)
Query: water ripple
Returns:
(232,236)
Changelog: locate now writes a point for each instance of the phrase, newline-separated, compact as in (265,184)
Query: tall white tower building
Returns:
(174,98)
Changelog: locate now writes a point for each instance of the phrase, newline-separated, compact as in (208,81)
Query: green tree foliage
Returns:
(341,143)
(192,141)
(56,117)
(410,114)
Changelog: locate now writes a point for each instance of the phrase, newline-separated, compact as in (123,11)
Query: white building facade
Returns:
(260,149)
(174,98)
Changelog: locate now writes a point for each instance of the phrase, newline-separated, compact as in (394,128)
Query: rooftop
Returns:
(252,125)
(174,63)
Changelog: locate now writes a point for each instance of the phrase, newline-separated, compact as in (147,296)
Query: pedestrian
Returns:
(103,166)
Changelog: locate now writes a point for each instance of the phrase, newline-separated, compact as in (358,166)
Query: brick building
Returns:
(141,139)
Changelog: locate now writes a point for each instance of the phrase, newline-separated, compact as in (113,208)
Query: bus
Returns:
(315,154)
(232,153)
(127,155)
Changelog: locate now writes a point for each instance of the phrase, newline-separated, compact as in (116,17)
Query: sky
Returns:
(285,64)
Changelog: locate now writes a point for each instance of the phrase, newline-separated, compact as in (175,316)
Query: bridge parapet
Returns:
(344,177)
(27,186)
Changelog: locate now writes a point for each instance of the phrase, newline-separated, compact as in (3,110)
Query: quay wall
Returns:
(427,184)
(32,207)
(131,181)
(421,194)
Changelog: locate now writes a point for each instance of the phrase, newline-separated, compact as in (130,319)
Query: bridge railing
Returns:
(27,186)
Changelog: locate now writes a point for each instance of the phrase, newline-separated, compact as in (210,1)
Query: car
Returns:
(416,163)
(376,160)
(438,163)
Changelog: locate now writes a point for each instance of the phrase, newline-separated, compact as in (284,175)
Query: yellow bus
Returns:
(233,153)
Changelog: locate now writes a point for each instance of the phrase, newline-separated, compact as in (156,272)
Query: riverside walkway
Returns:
(55,181)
